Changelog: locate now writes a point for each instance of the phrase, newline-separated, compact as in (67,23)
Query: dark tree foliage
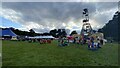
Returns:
(73,32)
(45,34)
(63,34)
(94,31)
(32,31)
(112,29)
(24,33)
(100,30)
(57,33)
(53,32)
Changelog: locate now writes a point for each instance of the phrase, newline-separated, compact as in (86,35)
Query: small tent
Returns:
(7,33)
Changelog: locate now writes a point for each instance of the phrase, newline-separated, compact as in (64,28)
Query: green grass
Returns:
(19,53)
(0,53)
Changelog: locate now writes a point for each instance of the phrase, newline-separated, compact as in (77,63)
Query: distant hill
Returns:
(112,30)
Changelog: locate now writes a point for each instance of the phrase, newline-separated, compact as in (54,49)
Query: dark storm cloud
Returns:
(53,14)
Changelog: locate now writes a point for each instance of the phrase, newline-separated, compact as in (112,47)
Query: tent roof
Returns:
(41,37)
(7,32)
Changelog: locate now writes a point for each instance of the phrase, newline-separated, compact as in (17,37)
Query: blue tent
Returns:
(7,32)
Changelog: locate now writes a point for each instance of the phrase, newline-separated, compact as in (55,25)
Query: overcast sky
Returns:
(44,16)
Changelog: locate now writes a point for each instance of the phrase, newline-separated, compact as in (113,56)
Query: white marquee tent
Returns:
(41,37)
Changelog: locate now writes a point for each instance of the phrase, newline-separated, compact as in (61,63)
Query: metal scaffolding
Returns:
(86,28)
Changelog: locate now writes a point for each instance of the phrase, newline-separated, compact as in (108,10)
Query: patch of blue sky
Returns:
(8,23)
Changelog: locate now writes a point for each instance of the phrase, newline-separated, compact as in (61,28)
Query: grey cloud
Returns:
(49,14)
(59,0)
(59,11)
(42,30)
(103,6)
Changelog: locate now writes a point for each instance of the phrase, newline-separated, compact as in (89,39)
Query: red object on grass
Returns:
(70,38)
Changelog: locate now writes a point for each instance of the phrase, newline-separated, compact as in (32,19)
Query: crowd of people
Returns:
(93,42)
(63,41)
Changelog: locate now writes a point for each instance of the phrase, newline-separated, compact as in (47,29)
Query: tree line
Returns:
(111,30)
(55,33)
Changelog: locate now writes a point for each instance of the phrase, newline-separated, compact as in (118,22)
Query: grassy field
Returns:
(21,53)
(0,53)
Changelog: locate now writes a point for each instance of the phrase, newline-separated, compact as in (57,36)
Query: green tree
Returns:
(53,33)
(32,32)
(111,29)
(73,32)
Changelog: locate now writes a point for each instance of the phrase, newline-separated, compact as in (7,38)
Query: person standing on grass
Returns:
(74,41)
(82,40)
(60,41)
(89,43)
(92,42)
(77,40)
(98,45)
(101,41)
(95,42)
